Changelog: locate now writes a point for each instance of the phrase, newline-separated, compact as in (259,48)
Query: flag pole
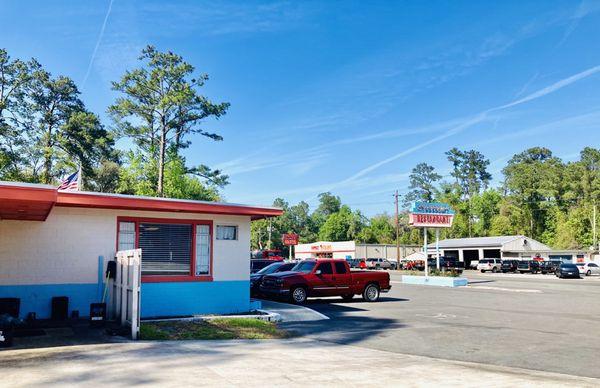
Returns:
(79,179)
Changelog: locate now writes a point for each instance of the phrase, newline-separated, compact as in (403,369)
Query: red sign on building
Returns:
(290,239)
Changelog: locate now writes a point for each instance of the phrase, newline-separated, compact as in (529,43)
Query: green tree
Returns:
(15,76)
(423,180)
(469,168)
(343,225)
(161,107)
(533,182)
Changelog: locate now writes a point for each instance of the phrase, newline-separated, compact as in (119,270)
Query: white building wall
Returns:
(65,248)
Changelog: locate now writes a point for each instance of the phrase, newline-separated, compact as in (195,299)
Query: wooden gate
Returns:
(126,289)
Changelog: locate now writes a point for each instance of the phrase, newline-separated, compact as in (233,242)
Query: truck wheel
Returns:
(348,297)
(482,271)
(298,295)
(371,293)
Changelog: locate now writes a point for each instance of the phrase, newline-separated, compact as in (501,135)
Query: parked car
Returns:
(509,266)
(548,267)
(258,264)
(356,263)
(378,263)
(447,264)
(325,277)
(473,264)
(531,266)
(489,265)
(256,278)
(588,269)
(567,270)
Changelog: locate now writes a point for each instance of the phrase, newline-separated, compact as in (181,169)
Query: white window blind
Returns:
(126,236)
(202,250)
(166,248)
(226,232)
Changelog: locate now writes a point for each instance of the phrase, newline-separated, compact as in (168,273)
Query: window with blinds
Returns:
(166,248)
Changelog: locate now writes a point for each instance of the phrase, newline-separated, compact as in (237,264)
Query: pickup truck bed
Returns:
(326,277)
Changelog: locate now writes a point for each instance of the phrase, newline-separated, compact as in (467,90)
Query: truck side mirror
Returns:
(318,272)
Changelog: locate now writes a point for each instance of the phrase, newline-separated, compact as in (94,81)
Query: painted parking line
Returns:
(524,290)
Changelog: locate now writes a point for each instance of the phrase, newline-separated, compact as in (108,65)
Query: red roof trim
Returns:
(101,201)
(49,196)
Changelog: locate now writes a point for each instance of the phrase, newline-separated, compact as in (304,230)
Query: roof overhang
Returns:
(26,202)
(19,201)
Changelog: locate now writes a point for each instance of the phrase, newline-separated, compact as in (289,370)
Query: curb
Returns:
(264,316)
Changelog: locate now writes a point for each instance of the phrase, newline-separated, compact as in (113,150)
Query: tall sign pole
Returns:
(397,233)
(425,250)
(437,248)
(431,215)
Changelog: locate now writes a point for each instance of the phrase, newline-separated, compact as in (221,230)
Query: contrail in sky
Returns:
(482,116)
(89,68)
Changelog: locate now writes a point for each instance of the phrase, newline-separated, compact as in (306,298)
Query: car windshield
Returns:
(580,264)
(269,269)
(568,266)
(306,266)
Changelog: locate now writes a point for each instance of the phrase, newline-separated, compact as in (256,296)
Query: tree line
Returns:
(540,196)
(46,131)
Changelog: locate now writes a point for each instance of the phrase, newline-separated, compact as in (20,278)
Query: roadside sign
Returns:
(431,215)
(290,239)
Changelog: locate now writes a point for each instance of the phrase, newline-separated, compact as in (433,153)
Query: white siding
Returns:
(65,248)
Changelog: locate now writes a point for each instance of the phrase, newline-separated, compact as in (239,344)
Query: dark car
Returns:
(530,266)
(258,264)
(567,270)
(509,266)
(256,278)
(447,264)
(548,267)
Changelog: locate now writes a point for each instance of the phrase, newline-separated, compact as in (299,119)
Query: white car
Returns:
(378,263)
(489,265)
(588,269)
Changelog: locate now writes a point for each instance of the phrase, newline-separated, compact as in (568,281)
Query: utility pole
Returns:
(397,233)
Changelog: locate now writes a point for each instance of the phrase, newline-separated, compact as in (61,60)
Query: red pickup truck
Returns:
(325,278)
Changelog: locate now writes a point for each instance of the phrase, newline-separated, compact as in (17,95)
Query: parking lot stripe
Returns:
(532,291)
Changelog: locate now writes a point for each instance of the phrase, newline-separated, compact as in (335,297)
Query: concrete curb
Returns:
(264,316)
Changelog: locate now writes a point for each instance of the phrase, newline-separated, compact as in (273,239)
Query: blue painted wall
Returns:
(189,298)
(158,299)
(38,298)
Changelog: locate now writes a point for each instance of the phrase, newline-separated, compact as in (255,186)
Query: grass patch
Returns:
(214,329)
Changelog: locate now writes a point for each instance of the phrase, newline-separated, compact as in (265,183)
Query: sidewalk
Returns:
(295,363)
(291,312)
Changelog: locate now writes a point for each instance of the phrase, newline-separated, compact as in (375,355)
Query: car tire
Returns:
(371,293)
(348,297)
(494,270)
(298,295)
(482,271)
(588,273)
(504,271)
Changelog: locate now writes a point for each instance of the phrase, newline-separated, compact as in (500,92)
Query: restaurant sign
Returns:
(431,215)
(290,239)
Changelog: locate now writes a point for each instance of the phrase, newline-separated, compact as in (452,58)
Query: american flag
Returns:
(71,183)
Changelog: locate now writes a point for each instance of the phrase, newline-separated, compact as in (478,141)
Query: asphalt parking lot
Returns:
(527,321)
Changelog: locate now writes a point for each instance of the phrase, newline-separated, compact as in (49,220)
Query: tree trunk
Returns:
(48,158)
(161,162)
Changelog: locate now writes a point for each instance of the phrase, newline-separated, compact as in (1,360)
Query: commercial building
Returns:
(195,254)
(504,247)
(351,250)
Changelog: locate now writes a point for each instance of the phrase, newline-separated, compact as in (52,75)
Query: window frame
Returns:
(192,277)
(237,231)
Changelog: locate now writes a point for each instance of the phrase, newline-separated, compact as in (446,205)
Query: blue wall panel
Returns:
(38,298)
(191,298)
(158,299)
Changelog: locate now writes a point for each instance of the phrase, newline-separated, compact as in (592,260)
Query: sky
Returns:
(342,96)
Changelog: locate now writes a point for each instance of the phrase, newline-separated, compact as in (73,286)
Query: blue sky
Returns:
(343,96)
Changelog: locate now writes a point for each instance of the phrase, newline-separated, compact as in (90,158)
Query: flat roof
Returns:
(28,201)
(471,242)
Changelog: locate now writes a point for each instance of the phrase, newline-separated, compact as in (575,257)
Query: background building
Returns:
(352,250)
(504,247)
